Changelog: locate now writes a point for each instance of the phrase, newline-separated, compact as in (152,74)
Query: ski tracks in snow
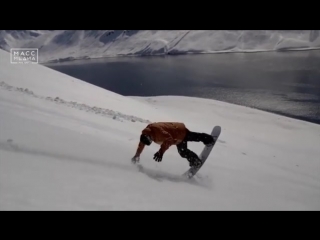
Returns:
(80,106)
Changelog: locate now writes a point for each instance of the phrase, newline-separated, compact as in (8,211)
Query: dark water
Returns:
(287,83)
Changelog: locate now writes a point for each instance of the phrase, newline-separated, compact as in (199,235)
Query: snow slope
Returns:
(67,145)
(65,45)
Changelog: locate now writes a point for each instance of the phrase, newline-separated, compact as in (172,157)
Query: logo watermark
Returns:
(24,55)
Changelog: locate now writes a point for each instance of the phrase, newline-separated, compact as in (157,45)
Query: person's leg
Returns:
(207,139)
(188,154)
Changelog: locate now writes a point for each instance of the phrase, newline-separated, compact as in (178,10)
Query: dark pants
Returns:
(192,137)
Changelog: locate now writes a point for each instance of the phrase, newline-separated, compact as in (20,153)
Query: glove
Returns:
(135,159)
(158,156)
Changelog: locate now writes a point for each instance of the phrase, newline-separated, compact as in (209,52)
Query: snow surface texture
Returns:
(62,149)
(66,45)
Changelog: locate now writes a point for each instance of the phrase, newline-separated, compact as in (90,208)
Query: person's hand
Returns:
(135,159)
(158,156)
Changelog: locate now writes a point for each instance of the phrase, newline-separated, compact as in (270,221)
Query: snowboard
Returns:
(215,133)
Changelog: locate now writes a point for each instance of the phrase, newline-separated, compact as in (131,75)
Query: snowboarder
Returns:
(172,133)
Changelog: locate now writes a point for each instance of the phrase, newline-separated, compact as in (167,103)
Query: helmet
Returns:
(145,139)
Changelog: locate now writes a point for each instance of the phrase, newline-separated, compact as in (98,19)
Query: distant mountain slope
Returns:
(64,45)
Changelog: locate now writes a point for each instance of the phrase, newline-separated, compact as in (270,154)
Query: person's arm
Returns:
(167,142)
(139,149)
(140,145)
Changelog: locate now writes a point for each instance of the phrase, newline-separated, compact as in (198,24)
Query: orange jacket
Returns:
(164,134)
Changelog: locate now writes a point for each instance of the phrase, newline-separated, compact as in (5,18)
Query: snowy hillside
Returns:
(66,144)
(67,45)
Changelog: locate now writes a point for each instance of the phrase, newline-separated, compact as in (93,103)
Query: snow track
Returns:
(80,106)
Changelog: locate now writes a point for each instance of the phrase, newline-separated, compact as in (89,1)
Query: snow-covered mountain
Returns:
(66,145)
(64,45)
